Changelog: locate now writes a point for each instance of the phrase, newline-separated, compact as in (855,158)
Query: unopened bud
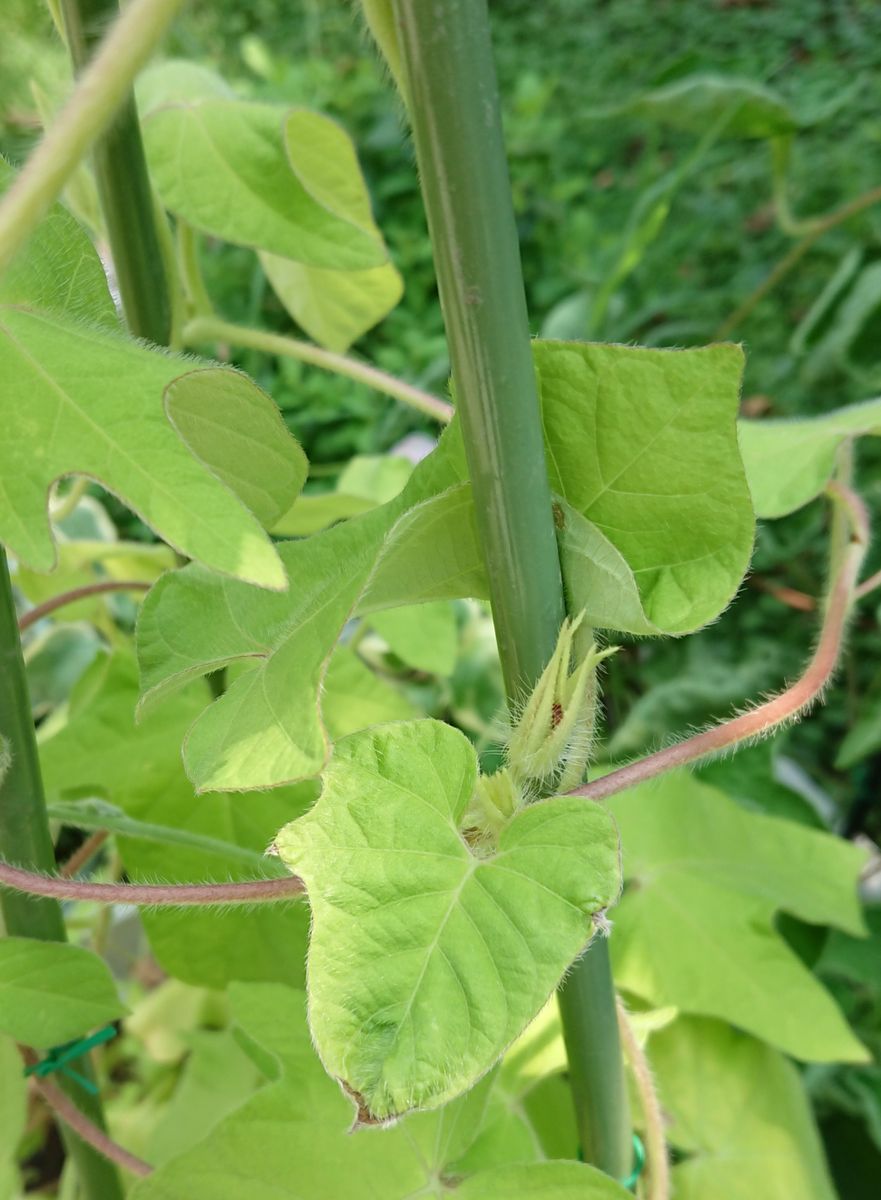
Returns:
(550,740)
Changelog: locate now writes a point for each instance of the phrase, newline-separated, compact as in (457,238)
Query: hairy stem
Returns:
(151,895)
(783,707)
(657,1159)
(794,256)
(124,188)
(213,329)
(90,1133)
(81,593)
(449,80)
(94,103)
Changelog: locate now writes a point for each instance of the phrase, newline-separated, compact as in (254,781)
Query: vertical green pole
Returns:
(124,189)
(451,90)
(25,841)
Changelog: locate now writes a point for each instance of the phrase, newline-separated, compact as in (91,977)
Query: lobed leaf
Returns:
(695,926)
(95,407)
(427,958)
(53,992)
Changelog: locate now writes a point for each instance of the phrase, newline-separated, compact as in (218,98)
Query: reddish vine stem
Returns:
(67,1111)
(251,891)
(90,847)
(81,593)
(785,706)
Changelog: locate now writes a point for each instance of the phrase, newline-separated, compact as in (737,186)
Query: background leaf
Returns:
(789,462)
(739,1116)
(100,751)
(695,927)
(53,992)
(228,168)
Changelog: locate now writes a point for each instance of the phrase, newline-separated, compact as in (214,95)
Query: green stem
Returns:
(794,256)
(213,329)
(96,99)
(198,300)
(25,840)
(124,188)
(450,82)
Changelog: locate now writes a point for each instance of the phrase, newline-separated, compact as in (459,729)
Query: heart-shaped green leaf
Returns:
(426,957)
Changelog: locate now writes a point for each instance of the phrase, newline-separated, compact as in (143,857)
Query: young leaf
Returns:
(258,176)
(695,927)
(426,959)
(789,462)
(740,1117)
(52,992)
(95,407)
(101,751)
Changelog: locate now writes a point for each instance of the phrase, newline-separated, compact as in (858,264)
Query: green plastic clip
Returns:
(60,1057)
(638,1163)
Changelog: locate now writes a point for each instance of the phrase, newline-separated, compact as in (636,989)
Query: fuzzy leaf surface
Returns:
(53,992)
(58,269)
(789,462)
(260,176)
(740,1116)
(695,927)
(263,732)
(425,959)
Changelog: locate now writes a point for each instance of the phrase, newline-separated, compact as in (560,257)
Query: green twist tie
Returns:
(638,1163)
(59,1058)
